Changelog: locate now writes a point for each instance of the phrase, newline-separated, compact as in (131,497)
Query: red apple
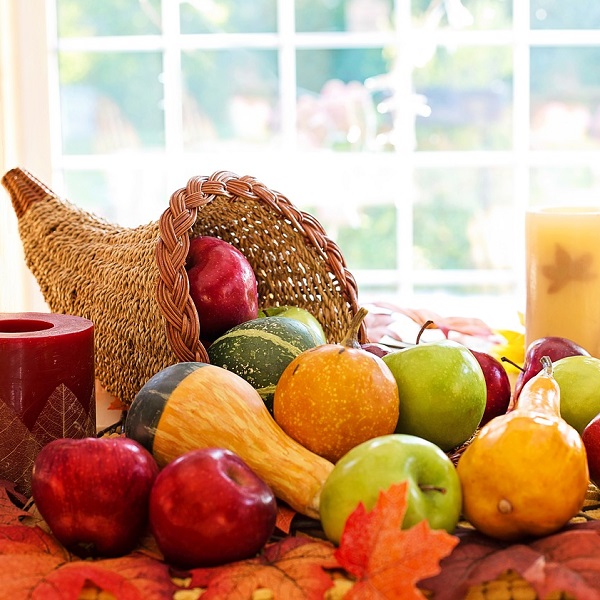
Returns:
(208,507)
(497,384)
(223,286)
(554,348)
(93,493)
(591,440)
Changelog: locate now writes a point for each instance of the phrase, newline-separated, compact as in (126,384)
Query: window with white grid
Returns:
(415,131)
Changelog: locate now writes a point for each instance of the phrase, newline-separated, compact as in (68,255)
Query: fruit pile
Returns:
(280,414)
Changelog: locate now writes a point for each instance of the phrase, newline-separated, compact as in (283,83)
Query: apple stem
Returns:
(510,362)
(425,326)
(431,488)
(351,338)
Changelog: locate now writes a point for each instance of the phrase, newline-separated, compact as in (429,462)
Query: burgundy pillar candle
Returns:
(46,387)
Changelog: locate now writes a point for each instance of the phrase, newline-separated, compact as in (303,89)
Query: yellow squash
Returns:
(526,472)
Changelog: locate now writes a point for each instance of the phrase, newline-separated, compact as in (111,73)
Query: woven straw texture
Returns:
(132,283)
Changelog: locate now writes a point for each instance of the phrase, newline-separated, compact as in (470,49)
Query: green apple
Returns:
(300,314)
(434,490)
(442,392)
(579,380)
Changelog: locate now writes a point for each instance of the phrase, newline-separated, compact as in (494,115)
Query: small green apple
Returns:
(579,380)
(434,490)
(442,392)
(300,314)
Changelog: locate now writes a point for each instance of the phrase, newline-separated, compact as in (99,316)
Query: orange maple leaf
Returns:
(386,561)
(293,568)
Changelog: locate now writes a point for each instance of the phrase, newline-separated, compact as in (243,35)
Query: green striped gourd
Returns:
(259,351)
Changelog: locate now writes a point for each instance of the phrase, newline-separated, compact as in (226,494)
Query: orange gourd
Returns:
(525,474)
(336,396)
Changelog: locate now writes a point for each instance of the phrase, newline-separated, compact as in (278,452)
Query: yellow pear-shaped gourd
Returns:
(525,474)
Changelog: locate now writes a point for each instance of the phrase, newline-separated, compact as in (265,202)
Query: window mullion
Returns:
(172,86)
(521,127)
(404,142)
(287,72)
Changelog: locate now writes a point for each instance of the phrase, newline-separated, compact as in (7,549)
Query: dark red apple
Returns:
(223,286)
(497,384)
(591,440)
(208,507)
(93,493)
(554,348)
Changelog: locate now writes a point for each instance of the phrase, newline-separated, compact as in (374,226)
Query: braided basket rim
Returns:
(175,225)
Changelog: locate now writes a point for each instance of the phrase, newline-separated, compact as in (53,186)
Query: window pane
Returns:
(558,14)
(466,97)
(454,14)
(110,102)
(343,15)
(462,217)
(336,108)
(107,17)
(230,95)
(129,197)
(565,186)
(229,16)
(565,104)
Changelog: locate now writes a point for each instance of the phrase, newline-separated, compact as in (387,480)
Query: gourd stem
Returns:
(351,338)
(546,365)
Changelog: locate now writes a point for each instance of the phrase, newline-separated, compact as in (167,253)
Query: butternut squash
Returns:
(525,474)
(196,405)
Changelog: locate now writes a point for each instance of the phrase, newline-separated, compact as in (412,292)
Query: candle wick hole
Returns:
(23,325)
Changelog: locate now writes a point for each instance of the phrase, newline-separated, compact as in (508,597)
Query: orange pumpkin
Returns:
(336,396)
(526,473)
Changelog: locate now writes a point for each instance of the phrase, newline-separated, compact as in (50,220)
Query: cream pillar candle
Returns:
(563,275)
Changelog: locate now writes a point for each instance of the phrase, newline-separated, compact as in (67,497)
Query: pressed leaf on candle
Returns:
(567,268)
(62,416)
(18,447)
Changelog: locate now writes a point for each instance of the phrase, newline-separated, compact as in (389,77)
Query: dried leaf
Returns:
(132,577)
(567,562)
(18,539)
(387,561)
(293,569)
(27,556)
(285,516)
(10,513)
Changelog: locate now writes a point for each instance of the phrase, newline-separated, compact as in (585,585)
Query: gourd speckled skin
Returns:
(525,474)
(197,405)
(335,396)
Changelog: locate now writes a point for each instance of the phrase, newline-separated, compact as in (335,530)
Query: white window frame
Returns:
(34,98)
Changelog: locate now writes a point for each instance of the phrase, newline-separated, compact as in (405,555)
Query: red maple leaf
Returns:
(386,561)
(568,562)
(384,318)
(293,568)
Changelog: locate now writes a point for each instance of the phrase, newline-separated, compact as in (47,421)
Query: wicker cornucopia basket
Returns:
(132,283)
